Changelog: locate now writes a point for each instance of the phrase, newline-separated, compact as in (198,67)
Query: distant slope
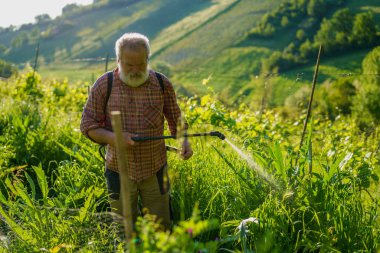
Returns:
(182,32)
(198,39)
(235,66)
(93,33)
(173,34)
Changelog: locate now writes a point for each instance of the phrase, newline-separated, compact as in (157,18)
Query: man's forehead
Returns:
(128,52)
(134,48)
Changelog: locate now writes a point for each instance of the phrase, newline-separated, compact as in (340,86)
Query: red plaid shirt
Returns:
(142,112)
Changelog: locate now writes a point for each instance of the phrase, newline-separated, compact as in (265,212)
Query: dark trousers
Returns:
(154,193)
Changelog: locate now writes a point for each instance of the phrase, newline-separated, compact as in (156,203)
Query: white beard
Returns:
(133,80)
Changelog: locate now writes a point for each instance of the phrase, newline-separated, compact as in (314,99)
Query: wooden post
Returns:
(106,66)
(123,172)
(36,58)
(309,106)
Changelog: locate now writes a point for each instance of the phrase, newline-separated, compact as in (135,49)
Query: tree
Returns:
(34,35)
(364,30)
(326,35)
(300,35)
(19,40)
(366,105)
(316,8)
(334,33)
(340,95)
(272,64)
(69,8)
(6,69)
(342,21)
(284,21)
(2,49)
(43,18)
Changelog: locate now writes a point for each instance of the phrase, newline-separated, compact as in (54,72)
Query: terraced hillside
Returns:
(196,39)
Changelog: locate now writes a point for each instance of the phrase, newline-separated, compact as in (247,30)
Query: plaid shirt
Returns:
(142,113)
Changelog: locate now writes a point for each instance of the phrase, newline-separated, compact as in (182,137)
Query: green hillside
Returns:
(235,68)
(196,39)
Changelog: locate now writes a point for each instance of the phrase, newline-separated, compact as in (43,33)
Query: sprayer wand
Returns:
(150,138)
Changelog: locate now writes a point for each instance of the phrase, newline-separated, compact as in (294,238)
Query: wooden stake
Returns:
(309,106)
(36,58)
(107,59)
(123,172)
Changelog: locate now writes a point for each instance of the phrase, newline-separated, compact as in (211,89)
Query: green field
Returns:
(248,193)
(258,190)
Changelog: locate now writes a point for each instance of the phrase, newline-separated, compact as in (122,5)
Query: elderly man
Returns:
(144,101)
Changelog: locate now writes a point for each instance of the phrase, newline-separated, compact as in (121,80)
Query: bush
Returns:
(7,69)
(366,106)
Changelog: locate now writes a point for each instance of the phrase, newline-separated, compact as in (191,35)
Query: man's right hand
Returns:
(128,138)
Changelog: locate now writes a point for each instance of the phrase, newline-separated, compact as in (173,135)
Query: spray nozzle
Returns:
(218,134)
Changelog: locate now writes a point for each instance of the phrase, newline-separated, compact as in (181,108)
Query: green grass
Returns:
(230,70)
(332,67)
(74,72)
(53,180)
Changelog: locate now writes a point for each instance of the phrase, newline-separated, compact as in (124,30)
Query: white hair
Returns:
(132,41)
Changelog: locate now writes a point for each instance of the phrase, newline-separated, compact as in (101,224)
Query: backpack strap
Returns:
(109,89)
(102,147)
(160,80)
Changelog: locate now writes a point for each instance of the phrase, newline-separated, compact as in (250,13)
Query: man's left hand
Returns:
(186,151)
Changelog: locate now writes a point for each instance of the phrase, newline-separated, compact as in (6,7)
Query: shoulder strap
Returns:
(102,148)
(161,81)
(109,89)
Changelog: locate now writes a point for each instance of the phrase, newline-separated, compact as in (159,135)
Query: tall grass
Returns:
(53,196)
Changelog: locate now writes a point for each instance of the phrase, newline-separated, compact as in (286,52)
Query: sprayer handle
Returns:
(150,138)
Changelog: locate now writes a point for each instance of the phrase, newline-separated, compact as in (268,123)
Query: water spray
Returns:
(252,164)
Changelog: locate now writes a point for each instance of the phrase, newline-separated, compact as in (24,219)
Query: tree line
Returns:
(343,31)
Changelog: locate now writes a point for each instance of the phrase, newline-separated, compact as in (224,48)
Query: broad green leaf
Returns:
(10,186)
(23,194)
(3,199)
(32,185)
(87,204)
(22,233)
(42,181)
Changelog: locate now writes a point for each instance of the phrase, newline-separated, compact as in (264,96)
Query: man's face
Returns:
(133,65)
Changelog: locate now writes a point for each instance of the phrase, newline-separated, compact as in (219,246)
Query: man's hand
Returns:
(128,138)
(186,151)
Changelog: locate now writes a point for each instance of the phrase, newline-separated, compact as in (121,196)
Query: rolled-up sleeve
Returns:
(93,116)
(171,111)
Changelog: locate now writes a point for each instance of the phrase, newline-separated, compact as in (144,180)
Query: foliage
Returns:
(366,104)
(338,97)
(255,191)
(342,32)
(7,69)
(291,12)
(183,238)
(197,39)
(163,67)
